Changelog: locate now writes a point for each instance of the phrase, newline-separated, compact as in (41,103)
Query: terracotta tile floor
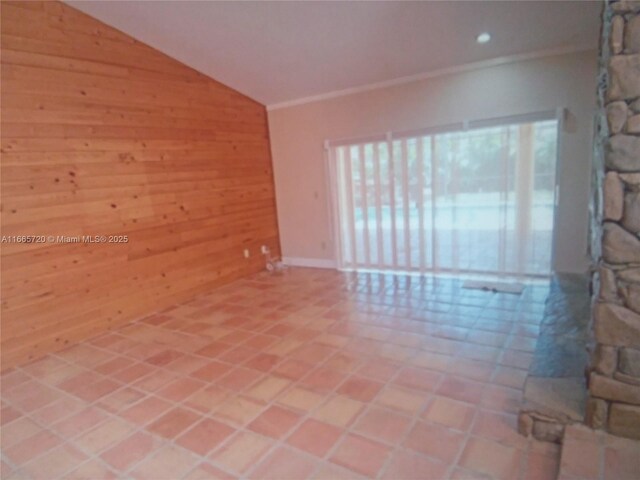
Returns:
(596,455)
(307,374)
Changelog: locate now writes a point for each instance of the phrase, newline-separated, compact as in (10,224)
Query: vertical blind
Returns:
(479,199)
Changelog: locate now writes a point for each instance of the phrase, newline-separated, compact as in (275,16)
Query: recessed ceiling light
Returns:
(483,38)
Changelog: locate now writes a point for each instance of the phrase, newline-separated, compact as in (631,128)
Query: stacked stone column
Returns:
(614,373)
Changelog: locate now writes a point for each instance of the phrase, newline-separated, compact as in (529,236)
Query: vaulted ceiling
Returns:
(281,51)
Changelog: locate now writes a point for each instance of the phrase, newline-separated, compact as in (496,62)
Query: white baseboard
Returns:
(309,262)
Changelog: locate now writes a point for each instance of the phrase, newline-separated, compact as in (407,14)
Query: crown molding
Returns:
(434,73)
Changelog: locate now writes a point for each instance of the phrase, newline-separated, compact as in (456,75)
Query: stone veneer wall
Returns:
(614,374)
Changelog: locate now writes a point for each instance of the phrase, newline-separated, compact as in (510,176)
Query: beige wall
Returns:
(298,133)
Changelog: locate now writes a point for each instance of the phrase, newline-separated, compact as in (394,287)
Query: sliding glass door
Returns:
(462,200)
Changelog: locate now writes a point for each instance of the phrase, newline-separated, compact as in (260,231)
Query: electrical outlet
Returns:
(246,253)
(264,249)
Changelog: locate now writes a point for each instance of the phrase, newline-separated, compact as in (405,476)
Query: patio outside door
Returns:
(477,200)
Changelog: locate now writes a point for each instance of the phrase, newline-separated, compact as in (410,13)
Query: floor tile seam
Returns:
(349,429)
(418,416)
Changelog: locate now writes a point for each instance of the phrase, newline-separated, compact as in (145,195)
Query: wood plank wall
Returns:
(103,135)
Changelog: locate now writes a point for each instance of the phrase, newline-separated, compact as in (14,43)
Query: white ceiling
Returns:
(281,51)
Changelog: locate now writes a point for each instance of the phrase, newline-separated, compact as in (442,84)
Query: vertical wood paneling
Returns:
(104,136)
